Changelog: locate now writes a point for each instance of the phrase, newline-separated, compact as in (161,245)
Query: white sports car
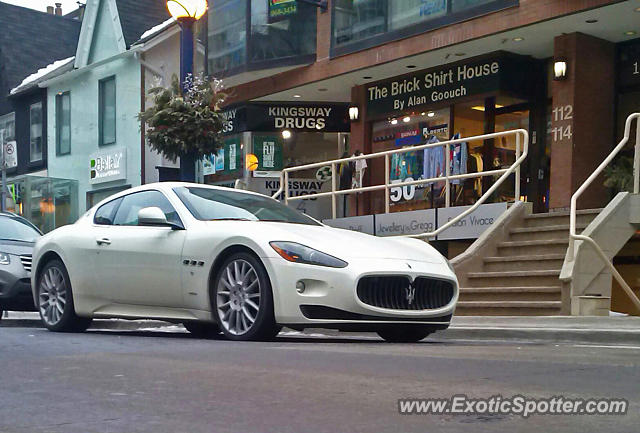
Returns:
(218,259)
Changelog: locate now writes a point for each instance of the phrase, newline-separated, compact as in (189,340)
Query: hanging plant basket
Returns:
(185,122)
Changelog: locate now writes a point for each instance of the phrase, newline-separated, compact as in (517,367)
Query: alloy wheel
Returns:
(238,297)
(53,296)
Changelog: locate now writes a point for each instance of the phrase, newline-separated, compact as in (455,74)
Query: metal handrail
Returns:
(522,138)
(573,236)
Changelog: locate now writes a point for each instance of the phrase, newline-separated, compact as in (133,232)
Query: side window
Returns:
(104,214)
(127,214)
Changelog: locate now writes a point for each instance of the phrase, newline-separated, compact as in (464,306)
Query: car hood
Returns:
(16,247)
(346,244)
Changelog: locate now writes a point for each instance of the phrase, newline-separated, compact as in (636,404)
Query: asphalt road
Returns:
(166,381)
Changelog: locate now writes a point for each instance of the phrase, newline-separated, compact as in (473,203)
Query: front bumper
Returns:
(330,298)
(15,287)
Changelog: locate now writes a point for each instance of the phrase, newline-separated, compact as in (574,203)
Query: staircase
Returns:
(517,266)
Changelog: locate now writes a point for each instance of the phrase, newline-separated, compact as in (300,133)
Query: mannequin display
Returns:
(358,173)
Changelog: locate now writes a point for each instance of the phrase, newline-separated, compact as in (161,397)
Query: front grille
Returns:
(26,262)
(398,293)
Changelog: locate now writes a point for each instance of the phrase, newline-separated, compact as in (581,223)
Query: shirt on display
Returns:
(459,155)
(433,161)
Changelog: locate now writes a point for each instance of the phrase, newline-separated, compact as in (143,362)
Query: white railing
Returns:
(521,139)
(573,236)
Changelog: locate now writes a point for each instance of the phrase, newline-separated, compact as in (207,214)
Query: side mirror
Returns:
(152,216)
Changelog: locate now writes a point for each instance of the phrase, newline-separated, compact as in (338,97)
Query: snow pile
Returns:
(42,73)
(158,28)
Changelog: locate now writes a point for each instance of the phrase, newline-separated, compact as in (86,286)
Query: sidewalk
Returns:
(552,329)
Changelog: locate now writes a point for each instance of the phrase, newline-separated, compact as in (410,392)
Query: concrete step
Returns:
(534,247)
(521,293)
(546,277)
(583,217)
(542,233)
(523,263)
(508,308)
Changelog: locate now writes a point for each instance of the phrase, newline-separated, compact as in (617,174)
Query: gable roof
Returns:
(138,16)
(31,40)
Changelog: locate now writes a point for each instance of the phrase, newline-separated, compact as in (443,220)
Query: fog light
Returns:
(300,287)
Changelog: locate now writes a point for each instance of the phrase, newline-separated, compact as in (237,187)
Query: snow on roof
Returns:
(158,28)
(43,72)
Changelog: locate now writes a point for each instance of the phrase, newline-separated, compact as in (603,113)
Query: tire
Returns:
(242,299)
(404,334)
(55,300)
(202,329)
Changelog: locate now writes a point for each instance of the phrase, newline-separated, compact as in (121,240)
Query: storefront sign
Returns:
(108,166)
(629,65)
(405,223)
(471,226)
(317,207)
(498,71)
(268,149)
(274,117)
(281,9)
(362,224)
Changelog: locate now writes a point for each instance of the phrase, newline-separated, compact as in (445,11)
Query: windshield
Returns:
(17,230)
(208,204)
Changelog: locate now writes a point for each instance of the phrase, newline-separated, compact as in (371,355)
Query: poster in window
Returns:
(268,150)
(220,160)
(281,9)
(233,155)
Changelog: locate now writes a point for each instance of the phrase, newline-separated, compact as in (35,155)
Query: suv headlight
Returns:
(298,253)
(4,259)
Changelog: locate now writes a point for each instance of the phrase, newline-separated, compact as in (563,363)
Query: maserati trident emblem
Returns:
(411,293)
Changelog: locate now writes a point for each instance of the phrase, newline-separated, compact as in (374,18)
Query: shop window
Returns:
(409,12)
(107,111)
(63,124)
(35,132)
(357,20)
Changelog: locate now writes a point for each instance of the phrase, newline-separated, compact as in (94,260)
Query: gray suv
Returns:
(17,237)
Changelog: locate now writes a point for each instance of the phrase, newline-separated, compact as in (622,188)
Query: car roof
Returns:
(168,187)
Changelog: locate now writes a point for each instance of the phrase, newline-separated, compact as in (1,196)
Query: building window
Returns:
(259,34)
(107,111)
(359,24)
(35,137)
(63,123)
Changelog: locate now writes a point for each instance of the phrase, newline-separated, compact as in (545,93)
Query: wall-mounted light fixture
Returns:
(286,134)
(354,113)
(560,69)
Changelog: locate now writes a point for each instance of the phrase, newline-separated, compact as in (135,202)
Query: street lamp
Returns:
(186,12)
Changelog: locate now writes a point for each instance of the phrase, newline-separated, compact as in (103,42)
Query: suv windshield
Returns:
(208,204)
(16,229)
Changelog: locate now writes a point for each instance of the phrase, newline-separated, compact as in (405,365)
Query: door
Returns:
(136,264)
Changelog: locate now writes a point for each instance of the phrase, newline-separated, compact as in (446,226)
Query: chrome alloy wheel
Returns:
(238,297)
(53,296)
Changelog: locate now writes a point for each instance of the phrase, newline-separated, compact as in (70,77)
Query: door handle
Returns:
(103,241)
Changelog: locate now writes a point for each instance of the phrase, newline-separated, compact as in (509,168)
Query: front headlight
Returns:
(4,259)
(298,253)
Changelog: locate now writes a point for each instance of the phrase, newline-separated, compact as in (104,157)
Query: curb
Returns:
(115,324)
(543,335)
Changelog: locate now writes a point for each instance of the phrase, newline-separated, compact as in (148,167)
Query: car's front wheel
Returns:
(55,300)
(404,334)
(243,301)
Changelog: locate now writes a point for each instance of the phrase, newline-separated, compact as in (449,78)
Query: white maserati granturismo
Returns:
(236,262)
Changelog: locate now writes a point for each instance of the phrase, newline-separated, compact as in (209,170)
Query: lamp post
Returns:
(186,12)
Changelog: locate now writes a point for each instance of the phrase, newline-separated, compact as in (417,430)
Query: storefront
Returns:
(491,93)
(47,202)
(263,138)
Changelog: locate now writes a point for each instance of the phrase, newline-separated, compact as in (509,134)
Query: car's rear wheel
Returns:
(202,330)
(55,300)
(404,334)
(243,300)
